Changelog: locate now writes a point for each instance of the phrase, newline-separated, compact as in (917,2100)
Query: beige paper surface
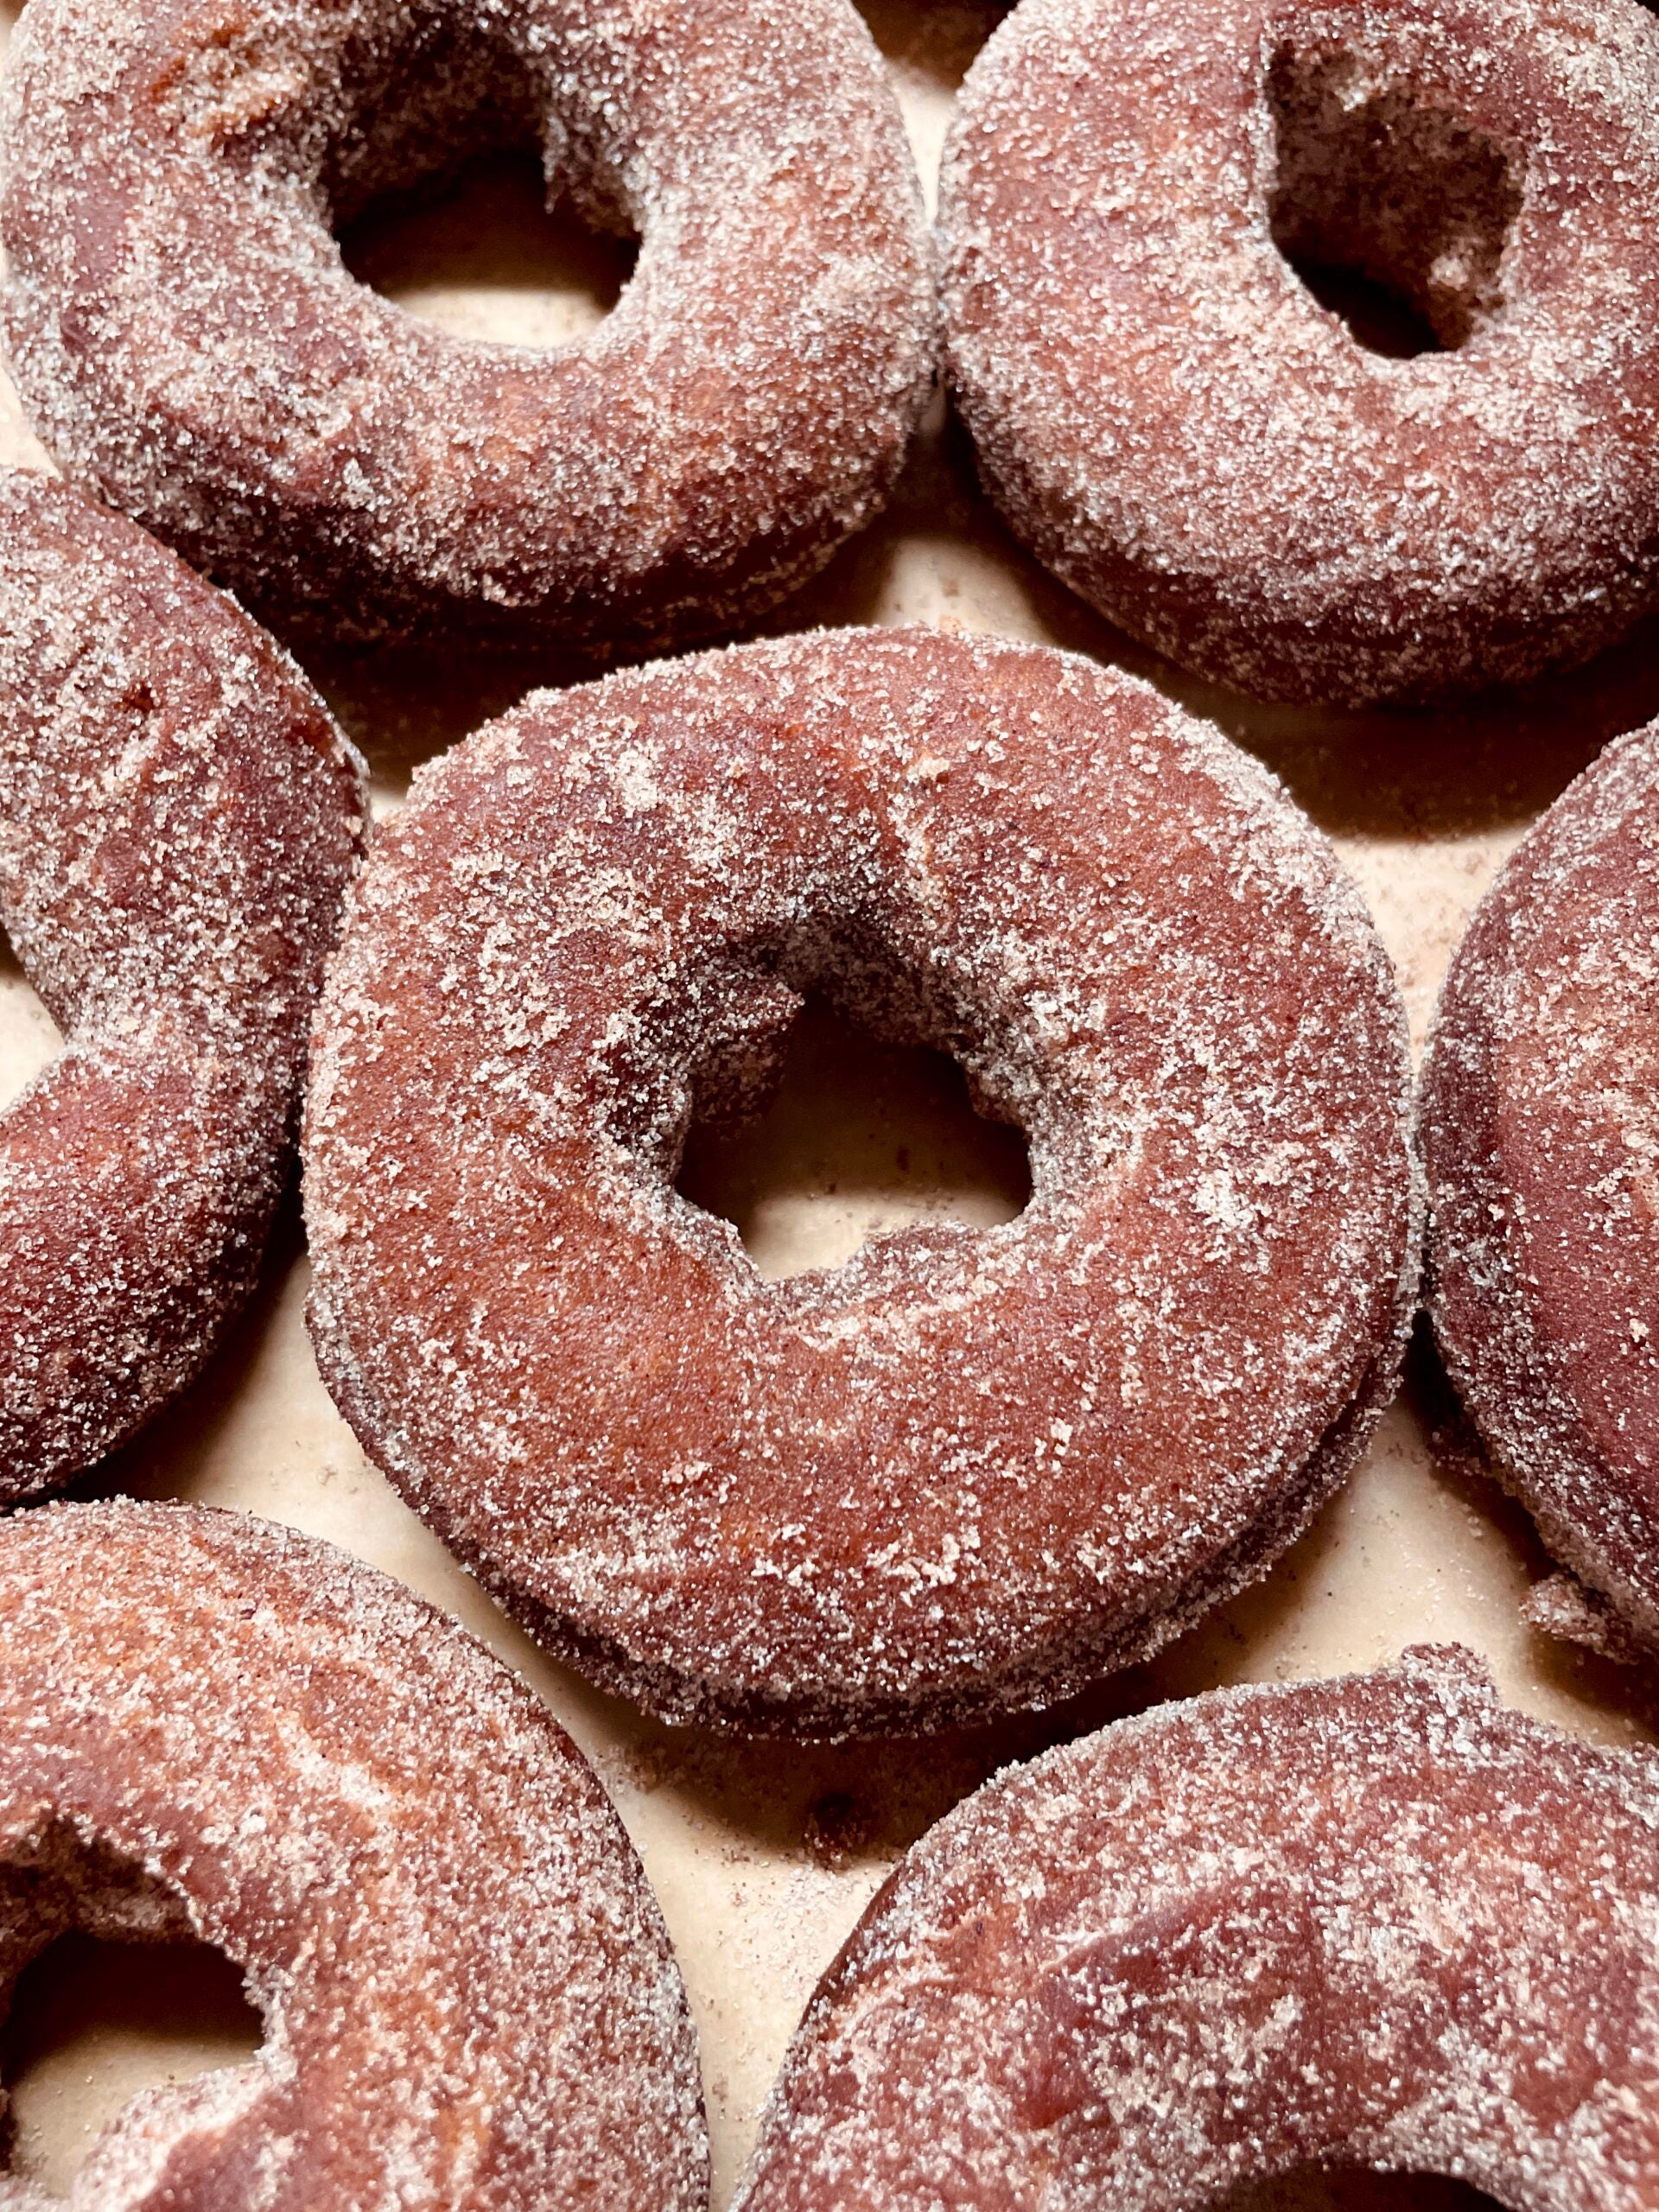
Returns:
(763,1856)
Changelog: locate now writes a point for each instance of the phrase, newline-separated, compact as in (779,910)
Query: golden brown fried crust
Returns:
(967,1470)
(178,818)
(187,339)
(211,1725)
(1379,1921)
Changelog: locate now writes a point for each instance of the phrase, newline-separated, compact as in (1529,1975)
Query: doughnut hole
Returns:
(29,1040)
(485,258)
(449,196)
(121,1999)
(1393,214)
(1353,2189)
(928,51)
(816,1101)
(859,1137)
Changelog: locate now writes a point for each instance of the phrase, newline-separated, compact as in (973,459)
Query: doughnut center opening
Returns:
(483,257)
(928,52)
(93,2024)
(1353,2189)
(936,46)
(452,196)
(1393,213)
(29,1040)
(858,1136)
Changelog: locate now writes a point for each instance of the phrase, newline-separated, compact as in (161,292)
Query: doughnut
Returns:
(1378,1922)
(1540,1135)
(1169,417)
(220,1728)
(971,1469)
(178,818)
(188,340)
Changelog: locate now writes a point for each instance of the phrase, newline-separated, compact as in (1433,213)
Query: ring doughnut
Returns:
(1539,1133)
(1377,1922)
(969,1470)
(1170,418)
(214,1726)
(178,819)
(189,340)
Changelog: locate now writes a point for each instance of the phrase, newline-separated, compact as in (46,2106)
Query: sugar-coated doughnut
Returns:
(189,340)
(178,818)
(1171,419)
(211,1726)
(969,1470)
(1539,1133)
(1379,1923)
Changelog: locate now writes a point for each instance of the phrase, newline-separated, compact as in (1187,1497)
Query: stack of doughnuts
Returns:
(1381,1922)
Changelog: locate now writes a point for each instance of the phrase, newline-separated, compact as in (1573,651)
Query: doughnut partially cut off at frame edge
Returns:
(179,816)
(1539,1129)
(1380,1922)
(215,1727)
(968,1472)
(185,336)
(1170,418)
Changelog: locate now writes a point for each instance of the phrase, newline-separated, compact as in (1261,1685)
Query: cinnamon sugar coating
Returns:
(1539,1133)
(969,1470)
(1169,417)
(1380,1922)
(213,1727)
(186,338)
(178,819)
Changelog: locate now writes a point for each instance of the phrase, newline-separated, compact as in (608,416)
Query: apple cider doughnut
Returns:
(189,341)
(178,818)
(213,1726)
(1539,1132)
(1174,421)
(1375,1922)
(969,1470)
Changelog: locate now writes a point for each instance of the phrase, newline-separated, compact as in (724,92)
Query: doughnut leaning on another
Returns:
(1169,418)
(1379,1923)
(969,1470)
(1539,1133)
(187,339)
(178,818)
(214,1727)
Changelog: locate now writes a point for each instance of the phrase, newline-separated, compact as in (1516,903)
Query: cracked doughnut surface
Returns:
(1539,1133)
(178,818)
(213,1725)
(1173,422)
(189,340)
(969,1470)
(1380,1922)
